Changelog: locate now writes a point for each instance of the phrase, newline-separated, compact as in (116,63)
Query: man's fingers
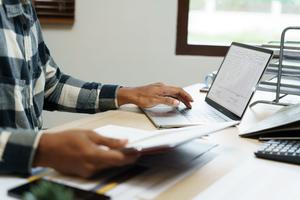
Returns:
(186,103)
(110,157)
(182,94)
(106,141)
(179,94)
(170,90)
(170,101)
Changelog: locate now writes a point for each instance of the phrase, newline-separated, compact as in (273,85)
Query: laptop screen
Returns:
(237,77)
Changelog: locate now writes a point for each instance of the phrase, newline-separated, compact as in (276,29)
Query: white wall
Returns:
(128,42)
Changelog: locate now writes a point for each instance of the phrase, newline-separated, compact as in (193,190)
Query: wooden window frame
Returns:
(48,11)
(182,46)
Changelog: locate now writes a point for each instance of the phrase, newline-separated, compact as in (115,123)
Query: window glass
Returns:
(219,22)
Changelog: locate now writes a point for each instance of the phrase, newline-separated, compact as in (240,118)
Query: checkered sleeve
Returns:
(65,93)
(17,150)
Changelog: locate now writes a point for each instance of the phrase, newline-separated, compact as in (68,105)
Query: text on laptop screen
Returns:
(237,78)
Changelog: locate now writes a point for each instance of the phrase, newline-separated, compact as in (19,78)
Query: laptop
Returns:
(228,96)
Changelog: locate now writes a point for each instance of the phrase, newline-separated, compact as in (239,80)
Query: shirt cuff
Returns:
(35,146)
(108,97)
(19,151)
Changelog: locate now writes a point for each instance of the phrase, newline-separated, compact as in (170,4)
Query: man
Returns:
(30,81)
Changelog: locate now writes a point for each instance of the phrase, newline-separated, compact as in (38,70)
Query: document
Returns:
(153,141)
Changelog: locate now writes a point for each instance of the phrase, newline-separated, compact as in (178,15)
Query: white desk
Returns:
(234,173)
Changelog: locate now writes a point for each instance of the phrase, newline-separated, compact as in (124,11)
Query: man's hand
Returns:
(154,94)
(79,152)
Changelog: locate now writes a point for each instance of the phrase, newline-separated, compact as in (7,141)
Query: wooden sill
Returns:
(58,21)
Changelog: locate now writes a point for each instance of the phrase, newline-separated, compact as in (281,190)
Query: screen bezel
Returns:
(219,107)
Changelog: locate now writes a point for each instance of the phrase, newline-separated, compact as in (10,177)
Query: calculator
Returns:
(280,150)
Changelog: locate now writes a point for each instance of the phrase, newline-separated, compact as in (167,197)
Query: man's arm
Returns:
(81,152)
(17,150)
(153,94)
(73,152)
(63,92)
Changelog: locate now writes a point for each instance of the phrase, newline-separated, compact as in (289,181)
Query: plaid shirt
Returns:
(30,81)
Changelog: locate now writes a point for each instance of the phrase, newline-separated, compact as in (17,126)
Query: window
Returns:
(207,27)
(55,11)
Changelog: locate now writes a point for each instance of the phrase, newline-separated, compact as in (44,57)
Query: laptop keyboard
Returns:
(203,115)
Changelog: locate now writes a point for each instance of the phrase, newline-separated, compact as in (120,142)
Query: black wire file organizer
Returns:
(282,68)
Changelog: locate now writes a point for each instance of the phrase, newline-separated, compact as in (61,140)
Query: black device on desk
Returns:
(280,150)
(78,194)
(285,123)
